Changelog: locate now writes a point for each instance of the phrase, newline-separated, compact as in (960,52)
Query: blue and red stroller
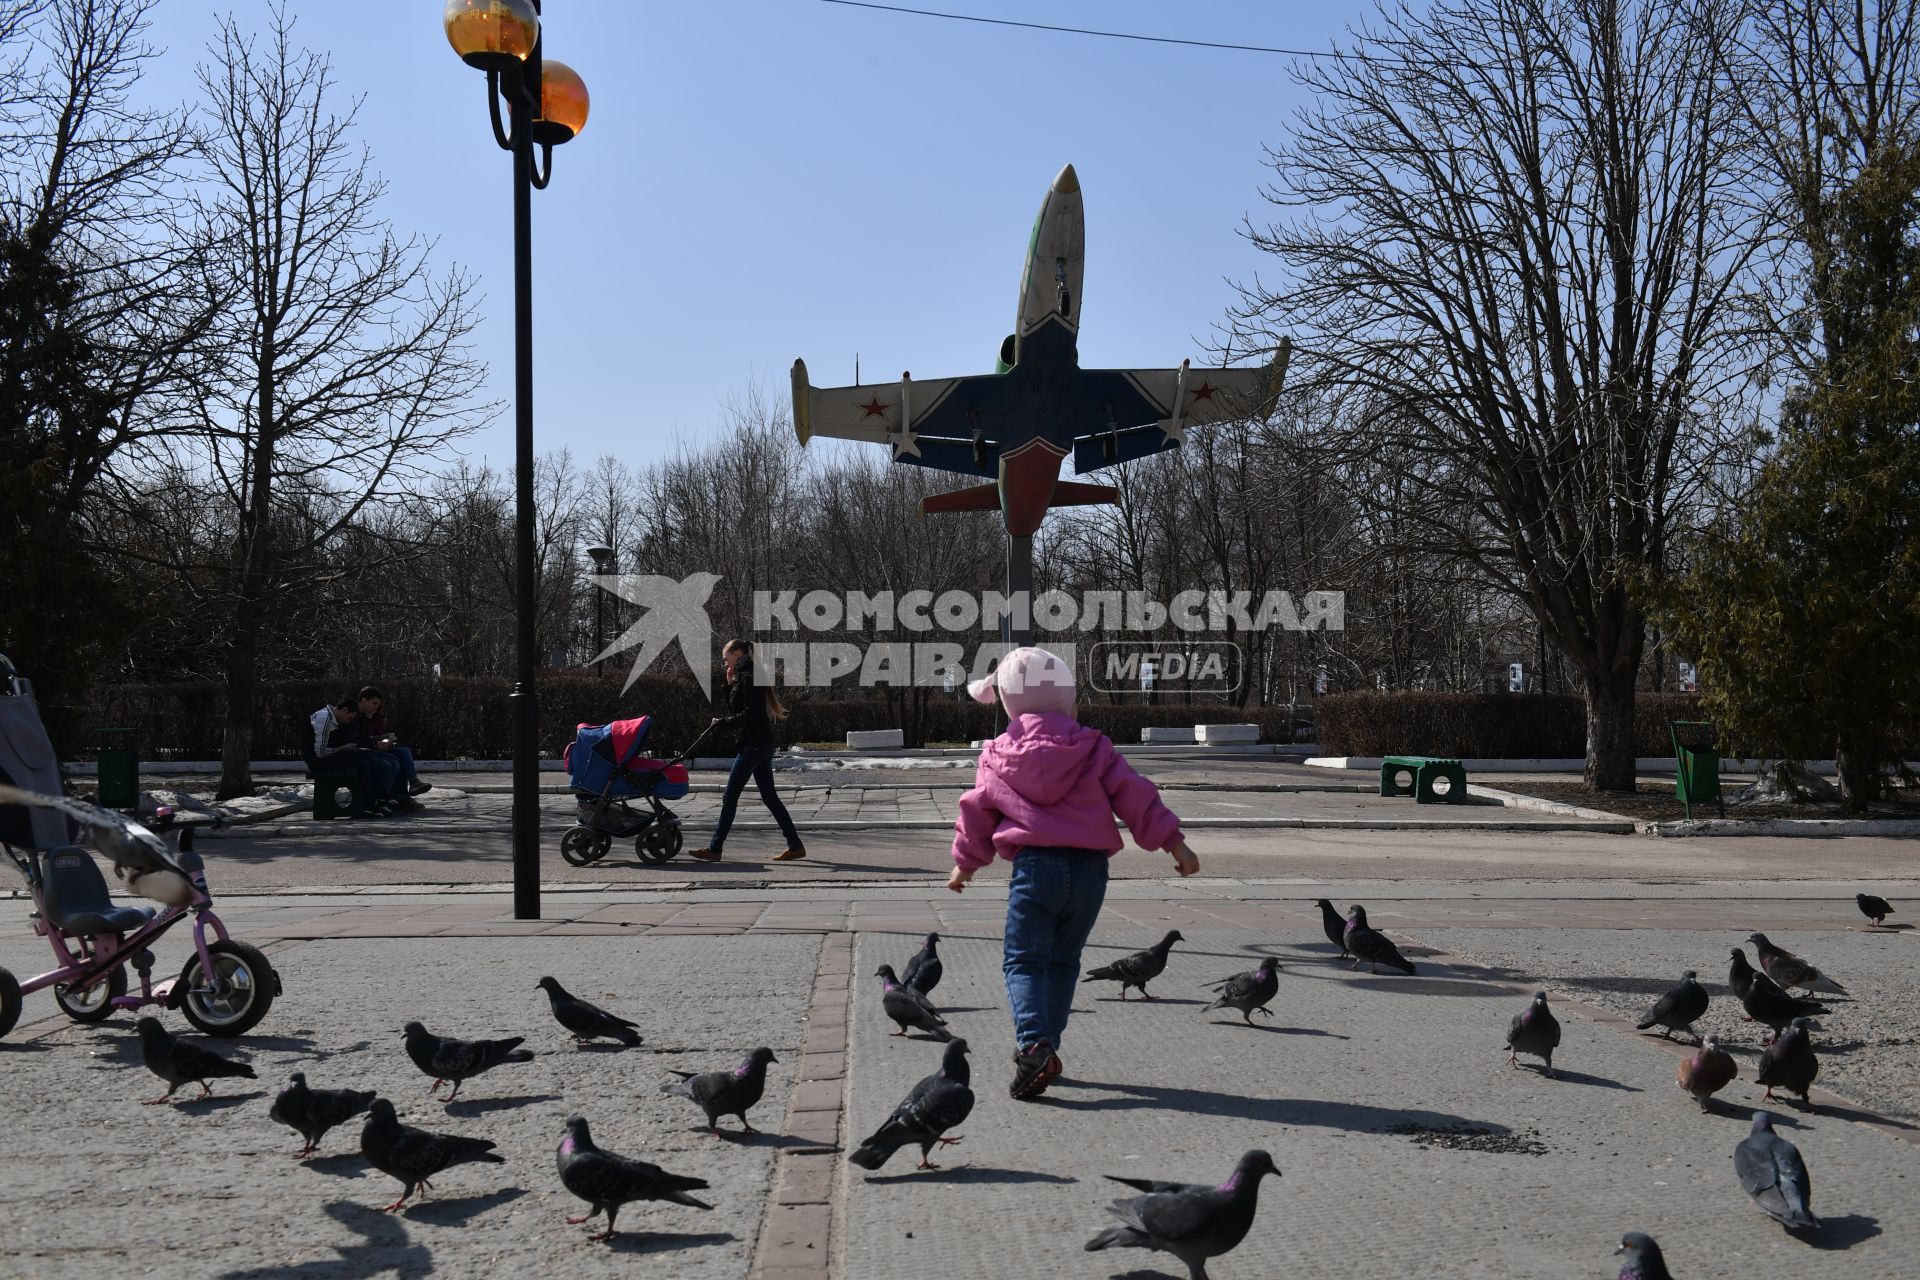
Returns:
(606,770)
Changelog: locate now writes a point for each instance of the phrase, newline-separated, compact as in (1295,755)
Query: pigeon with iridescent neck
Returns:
(940,1102)
(1643,1258)
(1535,1032)
(1370,945)
(1789,970)
(909,1009)
(1707,1071)
(1194,1223)
(1140,968)
(1772,1172)
(1678,1009)
(1248,992)
(606,1180)
(924,970)
(1789,1062)
(311,1112)
(725,1093)
(1873,907)
(1762,997)
(1333,926)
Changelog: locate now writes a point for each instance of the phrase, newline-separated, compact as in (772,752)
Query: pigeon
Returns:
(413,1156)
(1644,1261)
(1140,968)
(1248,992)
(924,970)
(445,1058)
(1762,997)
(1772,1172)
(1534,1031)
(1678,1009)
(587,1021)
(1707,1072)
(940,1102)
(1193,1223)
(178,1060)
(1873,907)
(1791,971)
(1374,948)
(606,1180)
(1788,1063)
(909,1008)
(311,1112)
(1333,926)
(725,1093)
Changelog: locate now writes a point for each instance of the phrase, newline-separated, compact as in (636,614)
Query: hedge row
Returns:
(467,718)
(1495,726)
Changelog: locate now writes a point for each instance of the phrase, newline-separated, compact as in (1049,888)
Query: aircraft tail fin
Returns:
(979,497)
(1069,494)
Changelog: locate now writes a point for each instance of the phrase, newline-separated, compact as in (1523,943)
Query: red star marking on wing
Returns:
(874,409)
(1202,392)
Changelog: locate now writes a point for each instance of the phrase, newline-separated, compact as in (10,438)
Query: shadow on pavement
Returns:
(1353,1116)
(458,1211)
(352,1165)
(386,1249)
(1843,1232)
(656,1241)
(970,1174)
(218,1102)
(483,1106)
(1581,1077)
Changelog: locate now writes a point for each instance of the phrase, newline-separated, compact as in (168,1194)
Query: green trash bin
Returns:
(119,768)
(1696,765)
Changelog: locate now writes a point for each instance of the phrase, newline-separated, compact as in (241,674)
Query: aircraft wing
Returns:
(880,413)
(1183,397)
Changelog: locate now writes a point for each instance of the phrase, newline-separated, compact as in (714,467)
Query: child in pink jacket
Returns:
(1044,798)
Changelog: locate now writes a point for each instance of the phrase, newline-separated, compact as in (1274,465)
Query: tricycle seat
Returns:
(76,896)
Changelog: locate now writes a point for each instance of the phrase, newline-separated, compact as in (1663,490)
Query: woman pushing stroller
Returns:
(751,709)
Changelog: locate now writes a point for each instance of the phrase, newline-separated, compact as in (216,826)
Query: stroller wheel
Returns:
(583,845)
(658,843)
(9,1001)
(236,996)
(96,1002)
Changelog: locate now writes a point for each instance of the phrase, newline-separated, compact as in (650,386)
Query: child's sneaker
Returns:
(1030,1071)
(1052,1070)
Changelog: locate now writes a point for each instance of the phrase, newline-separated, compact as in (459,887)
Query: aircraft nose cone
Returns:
(1068,181)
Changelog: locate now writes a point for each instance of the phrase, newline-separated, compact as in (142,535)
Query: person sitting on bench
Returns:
(372,701)
(338,740)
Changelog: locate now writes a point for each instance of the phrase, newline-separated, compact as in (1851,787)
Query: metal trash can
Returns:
(119,768)
(1696,776)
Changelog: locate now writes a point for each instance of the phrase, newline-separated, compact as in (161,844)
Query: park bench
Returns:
(328,779)
(1421,772)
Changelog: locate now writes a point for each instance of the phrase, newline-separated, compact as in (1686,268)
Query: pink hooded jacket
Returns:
(1051,781)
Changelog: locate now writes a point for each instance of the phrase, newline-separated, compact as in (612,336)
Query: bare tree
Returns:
(1520,231)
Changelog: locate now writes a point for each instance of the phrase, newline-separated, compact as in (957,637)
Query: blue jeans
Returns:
(383,773)
(1052,901)
(401,759)
(755,763)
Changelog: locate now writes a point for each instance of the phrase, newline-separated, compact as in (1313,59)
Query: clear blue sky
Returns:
(765,179)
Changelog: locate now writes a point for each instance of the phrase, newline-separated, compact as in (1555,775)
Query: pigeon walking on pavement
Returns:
(606,1180)
(1789,1063)
(1678,1009)
(1373,947)
(1873,907)
(178,1060)
(909,1009)
(1643,1258)
(1763,998)
(725,1093)
(1790,971)
(1333,926)
(1140,968)
(1707,1071)
(940,1102)
(311,1112)
(1193,1223)
(586,1021)
(1772,1172)
(413,1157)
(445,1058)
(1534,1031)
(1248,992)
(924,970)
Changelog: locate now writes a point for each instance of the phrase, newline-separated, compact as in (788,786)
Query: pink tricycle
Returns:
(225,988)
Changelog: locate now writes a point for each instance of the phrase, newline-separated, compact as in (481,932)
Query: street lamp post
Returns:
(546,106)
(602,556)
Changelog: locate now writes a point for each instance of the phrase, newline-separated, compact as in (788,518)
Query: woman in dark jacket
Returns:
(751,710)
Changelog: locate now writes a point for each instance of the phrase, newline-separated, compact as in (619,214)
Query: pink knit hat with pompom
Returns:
(1028,681)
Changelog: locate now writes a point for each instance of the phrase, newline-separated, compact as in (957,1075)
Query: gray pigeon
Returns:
(1772,1172)
(1789,1063)
(1534,1031)
(311,1112)
(1873,907)
(586,1021)
(1140,968)
(1333,926)
(1678,1009)
(445,1058)
(1789,970)
(1248,992)
(1762,997)
(177,1060)
(1193,1223)
(414,1156)
(940,1102)
(907,1008)
(1643,1259)
(924,970)
(725,1093)
(1371,946)
(606,1180)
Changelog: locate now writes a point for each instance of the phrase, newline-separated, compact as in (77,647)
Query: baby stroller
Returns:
(606,770)
(226,986)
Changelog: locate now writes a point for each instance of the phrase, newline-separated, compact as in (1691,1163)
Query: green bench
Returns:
(1421,772)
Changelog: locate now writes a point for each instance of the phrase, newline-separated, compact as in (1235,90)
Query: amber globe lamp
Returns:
(563,104)
(492,35)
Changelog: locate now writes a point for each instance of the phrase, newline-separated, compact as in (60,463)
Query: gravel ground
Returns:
(1868,1046)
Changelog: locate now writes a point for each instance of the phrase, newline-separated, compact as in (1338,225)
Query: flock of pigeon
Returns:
(1194,1223)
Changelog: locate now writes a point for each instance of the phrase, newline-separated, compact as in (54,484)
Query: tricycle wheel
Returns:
(658,843)
(9,1001)
(238,995)
(581,846)
(96,1002)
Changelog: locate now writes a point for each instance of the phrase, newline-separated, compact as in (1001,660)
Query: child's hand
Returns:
(1184,860)
(958,880)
